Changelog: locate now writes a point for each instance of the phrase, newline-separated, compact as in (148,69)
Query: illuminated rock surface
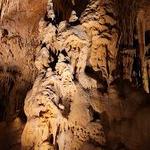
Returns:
(74,75)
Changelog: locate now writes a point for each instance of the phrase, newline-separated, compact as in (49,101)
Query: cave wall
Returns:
(18,41)
(78,70)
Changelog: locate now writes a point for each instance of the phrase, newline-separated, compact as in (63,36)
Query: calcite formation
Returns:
(91,43)
(79,70)
(58,114)
(58,108)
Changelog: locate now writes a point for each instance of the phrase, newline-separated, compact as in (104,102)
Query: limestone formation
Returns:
(53,105)
(74,74)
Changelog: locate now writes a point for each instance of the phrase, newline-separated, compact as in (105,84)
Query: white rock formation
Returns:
(58,113)
(57,104)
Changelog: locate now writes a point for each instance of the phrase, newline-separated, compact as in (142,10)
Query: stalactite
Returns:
(127,14)
(127,11)
(128,59)
(142,48)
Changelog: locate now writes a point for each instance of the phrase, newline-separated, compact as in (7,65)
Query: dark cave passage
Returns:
(13,90)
